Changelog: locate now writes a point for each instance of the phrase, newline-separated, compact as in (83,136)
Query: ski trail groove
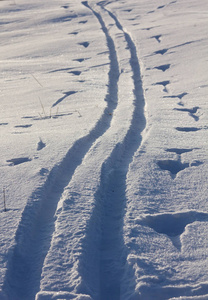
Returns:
(111,195)
(35,230)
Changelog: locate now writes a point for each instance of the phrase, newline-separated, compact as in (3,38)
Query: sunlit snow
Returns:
(104,143)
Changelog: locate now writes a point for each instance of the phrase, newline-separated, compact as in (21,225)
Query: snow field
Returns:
(106,150)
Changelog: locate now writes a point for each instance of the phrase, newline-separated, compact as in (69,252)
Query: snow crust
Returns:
(103,157)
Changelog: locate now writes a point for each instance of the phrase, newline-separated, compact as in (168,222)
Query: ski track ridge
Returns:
(35,230)
(110,198)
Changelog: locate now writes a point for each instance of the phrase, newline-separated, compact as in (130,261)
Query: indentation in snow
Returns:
(173,166)
(18,161)
(187,129)
(84,44)
(172,224)
(163,67)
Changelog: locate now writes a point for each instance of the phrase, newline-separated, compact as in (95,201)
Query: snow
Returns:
(103,150)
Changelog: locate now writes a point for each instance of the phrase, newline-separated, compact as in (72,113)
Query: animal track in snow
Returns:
(173,166)
(191,111)
(179,96)
(172,224)
(157,37)
(179,151)
(80,60)
(65,6)
(164,84)
(18,161)
(84,44)
(148,28)
(162,6)
(163,67)
(23,126)
(74,32)
(162,52)
(187,129)
(76,73)
(63,19)
(83,22)
(127,10)
(3,124)
(40,145)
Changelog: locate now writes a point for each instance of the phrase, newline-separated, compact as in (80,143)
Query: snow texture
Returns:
(104,131)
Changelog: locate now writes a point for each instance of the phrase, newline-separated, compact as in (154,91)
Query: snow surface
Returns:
(104,131)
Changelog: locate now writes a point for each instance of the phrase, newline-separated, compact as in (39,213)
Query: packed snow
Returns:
(104,149)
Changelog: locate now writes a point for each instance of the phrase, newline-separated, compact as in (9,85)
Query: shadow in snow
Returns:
(173,166)
(18,161)
(179,151)
(172,224)
(67,94)
(163,67)
(157,37)
(187,129)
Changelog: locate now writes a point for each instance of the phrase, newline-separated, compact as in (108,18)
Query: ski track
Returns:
(111,195)
(35,230)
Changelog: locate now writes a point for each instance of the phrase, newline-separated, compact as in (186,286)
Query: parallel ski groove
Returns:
(34,233)
(111,195)
(113,187)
